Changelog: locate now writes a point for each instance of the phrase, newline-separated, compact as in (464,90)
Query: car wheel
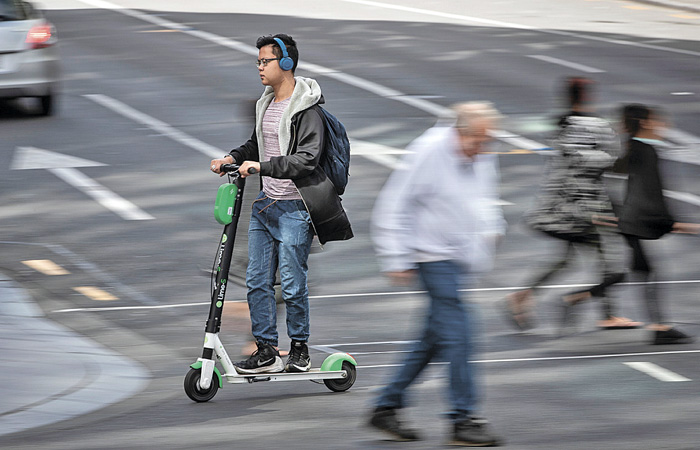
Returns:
(46,103)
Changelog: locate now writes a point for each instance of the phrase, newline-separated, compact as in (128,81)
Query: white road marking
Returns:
(374,294)
(564,63)
(382,91)
(64,167)
(156,125)
(683,197)
(376,152)
(135,308)
(519,141)
(680,196)
(366,85)
(101,194)
(657,372)
(557,358)
(498,23)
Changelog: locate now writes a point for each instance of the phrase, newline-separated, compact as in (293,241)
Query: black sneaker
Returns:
(474,432)
(266,359)
(671,336)
(299,360)
(386,420)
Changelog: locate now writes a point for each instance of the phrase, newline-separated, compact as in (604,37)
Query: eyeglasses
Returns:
(265,61)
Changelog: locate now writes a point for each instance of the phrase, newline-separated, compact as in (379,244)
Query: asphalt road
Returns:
(150,96)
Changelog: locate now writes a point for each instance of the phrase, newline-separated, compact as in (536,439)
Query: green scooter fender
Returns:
(198,365)
(335,361)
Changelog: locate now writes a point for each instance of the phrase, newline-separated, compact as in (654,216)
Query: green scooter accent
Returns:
(198,365)
(335,362)
(225,201)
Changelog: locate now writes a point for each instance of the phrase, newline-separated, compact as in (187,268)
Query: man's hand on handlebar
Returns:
(249,168)
(216,164)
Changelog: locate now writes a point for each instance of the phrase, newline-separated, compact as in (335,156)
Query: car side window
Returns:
(30,11)
(12,10)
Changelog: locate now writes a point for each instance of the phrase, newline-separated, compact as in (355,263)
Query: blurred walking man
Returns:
(437,218)
(296,201)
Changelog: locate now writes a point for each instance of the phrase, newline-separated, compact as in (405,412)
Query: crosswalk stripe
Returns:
(657,372)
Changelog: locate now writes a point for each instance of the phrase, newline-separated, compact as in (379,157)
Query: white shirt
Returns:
(440,205)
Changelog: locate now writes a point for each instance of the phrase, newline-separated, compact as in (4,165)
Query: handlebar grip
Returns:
(226,168)
(252,170)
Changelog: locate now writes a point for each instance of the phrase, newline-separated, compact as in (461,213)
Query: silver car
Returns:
(29,63)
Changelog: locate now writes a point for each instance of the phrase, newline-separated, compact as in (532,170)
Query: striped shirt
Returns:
(276,188)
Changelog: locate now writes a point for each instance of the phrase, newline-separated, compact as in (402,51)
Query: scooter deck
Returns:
(313,374)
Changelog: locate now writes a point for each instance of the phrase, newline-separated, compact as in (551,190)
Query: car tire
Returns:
(47,104)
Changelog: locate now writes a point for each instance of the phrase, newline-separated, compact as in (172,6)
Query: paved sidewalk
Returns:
(51,373)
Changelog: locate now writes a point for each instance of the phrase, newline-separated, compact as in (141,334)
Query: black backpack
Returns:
(335,159)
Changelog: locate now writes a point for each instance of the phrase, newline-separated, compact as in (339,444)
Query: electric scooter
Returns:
(338,371)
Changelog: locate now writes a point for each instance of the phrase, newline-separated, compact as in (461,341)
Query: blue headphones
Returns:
(286,63)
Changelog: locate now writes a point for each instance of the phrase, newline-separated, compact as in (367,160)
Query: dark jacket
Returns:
(300,163)
(644,212)
(572,190)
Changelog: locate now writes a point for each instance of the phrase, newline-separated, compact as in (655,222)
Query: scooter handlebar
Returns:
(228,168)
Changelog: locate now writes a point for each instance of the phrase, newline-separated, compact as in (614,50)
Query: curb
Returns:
(54,373)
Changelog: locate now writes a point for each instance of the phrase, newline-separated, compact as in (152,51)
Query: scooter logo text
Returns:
(220,255)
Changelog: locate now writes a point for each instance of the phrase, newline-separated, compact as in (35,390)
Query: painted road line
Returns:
(95,293)
(553,358)
(378,153)
(679,196)
(657,372)
(366,85)
(156,125)
(564,63)
(683,197)
(80,263)
(101,194)
(498,23)
(375,152)
(64,167)
(376,294)
(45,266)
(518,141)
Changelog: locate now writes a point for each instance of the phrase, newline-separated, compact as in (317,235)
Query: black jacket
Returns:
(644,212)
(300,164)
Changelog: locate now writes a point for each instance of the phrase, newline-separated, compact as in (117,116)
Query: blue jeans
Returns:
(447,333)
(279,237)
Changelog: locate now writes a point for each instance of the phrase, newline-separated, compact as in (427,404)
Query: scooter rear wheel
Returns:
(343,384)
(195,392)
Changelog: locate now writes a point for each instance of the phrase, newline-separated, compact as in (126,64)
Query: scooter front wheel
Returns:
(195,392)
(343,384)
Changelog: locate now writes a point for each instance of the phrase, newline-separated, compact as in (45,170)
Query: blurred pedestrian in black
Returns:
(572,196)
(645,215)
(437,218)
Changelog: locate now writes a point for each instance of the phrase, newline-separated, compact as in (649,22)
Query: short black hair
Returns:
(578,91)
(632,116)
(288,42)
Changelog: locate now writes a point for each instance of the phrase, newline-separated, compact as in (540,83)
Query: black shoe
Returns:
(266,359)
(671,336)
(299,360)
(386,420)
(474,432)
